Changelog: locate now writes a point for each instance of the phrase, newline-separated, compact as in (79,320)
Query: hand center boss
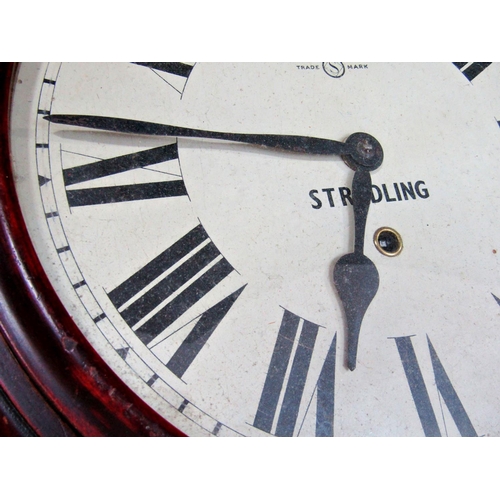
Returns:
(355,275)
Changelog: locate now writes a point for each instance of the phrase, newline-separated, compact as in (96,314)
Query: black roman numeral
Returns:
(114,166)
(471,70)
(197,338)
(421,396)
(174,68)
(175,74)
(201,269)
(325,405)
(293,392)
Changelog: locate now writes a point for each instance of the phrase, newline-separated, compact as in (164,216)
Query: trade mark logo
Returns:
(334,69)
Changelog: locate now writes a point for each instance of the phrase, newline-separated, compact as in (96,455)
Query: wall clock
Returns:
(251,249)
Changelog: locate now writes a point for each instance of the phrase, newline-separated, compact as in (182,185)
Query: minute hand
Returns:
(293,143)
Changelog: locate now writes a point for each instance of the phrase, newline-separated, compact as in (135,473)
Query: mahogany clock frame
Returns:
(52,382)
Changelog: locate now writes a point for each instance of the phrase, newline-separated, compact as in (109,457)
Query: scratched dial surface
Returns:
(201,270)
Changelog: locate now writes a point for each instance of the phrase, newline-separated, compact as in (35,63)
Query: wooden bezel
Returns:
(52,382)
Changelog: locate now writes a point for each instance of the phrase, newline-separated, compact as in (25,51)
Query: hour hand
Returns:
(355,275)
(291,143)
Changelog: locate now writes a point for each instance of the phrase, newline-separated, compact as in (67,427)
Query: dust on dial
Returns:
(202,270)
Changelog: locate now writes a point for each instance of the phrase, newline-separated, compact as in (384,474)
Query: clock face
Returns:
(201,269)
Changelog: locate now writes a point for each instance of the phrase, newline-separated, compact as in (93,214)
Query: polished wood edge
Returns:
(12,423)
(23,409)
(79,391)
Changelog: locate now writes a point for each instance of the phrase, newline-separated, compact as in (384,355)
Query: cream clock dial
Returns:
(275,249)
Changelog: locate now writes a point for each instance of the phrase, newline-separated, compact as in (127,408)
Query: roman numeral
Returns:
(152,299)
(471,70)
(420,395)
(292,389)
(120,164)
(175,74)
(325,405)
(199,335)
(174,68)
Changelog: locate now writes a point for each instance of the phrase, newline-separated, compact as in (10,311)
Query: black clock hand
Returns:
(355,275)
(293,143)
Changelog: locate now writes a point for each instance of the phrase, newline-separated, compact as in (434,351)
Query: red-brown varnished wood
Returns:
(52,382)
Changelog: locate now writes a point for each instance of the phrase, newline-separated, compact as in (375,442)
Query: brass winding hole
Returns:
(388,241)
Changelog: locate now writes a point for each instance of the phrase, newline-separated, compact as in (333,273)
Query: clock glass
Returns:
(275,249)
